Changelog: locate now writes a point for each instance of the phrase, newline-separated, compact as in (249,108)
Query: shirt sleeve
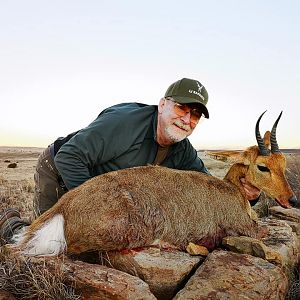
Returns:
(191,160)
(76,159)
(198,165)
(110,135)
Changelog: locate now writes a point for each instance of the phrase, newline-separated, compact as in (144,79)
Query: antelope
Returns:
(142,206)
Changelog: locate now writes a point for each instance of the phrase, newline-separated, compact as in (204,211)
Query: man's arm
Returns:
(96,144)
(198,165)
(190,160)
(113,132)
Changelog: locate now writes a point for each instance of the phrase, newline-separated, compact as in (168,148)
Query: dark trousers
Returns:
(48,183)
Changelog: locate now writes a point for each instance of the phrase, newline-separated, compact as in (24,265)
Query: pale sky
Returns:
(62,62)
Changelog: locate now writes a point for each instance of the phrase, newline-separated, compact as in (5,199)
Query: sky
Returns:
(63,62)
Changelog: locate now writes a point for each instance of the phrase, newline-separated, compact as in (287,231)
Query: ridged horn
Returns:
(274,145)
(260,142)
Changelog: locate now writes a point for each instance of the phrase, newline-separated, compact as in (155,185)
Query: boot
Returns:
(10,223)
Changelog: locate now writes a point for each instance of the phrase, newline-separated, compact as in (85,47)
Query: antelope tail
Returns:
(49,240)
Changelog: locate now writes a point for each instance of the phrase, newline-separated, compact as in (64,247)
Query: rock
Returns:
(194,249)
(164,271)
(12,165)
(284,241)
(290,214)
(280,246)
(295,227)
(229,275)
(251,246)
(100,282)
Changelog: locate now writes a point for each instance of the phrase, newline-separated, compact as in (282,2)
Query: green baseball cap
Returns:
(187,91)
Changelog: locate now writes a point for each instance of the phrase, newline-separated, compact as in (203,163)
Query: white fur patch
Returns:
(49,240)
(19,236)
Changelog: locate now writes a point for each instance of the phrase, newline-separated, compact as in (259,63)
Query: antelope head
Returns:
(267,167)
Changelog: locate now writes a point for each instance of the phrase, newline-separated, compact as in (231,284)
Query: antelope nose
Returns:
(293,200)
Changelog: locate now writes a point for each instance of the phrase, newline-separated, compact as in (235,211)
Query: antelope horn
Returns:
(261,145)
(274,145)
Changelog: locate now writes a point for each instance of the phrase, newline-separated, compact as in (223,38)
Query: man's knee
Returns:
(47,186)
(46,197)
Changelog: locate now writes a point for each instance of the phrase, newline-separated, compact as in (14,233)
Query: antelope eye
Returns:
(263,168)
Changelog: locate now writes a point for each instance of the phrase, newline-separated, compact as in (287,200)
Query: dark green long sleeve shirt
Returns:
(122,136)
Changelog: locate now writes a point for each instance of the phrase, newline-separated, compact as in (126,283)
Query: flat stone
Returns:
(290,214)
(164,271)
(229,275)
(100,282)
(284,241)
(251,246)
(295,227)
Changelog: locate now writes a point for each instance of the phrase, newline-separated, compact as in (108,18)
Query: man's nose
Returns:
(186,118)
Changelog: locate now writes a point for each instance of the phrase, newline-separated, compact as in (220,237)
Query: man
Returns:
(122,136)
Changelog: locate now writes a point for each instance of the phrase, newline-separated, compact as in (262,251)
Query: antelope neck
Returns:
(234,174)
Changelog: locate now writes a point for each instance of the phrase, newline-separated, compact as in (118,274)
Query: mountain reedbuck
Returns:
(141,206)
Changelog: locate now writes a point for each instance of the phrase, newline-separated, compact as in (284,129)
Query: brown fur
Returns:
(133,207)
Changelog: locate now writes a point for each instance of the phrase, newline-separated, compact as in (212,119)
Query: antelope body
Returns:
(139,206)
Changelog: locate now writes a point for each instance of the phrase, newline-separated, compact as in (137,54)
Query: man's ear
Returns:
(161,104)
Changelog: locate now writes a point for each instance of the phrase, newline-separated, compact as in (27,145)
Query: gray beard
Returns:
(173,135)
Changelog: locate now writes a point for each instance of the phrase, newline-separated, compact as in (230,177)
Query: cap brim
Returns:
(186,100)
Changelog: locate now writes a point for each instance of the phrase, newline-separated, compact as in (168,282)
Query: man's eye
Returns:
(196,113)
(263,168)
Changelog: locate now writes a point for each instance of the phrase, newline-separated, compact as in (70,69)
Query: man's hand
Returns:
(251,191)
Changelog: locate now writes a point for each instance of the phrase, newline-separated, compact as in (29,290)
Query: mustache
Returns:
(183,126)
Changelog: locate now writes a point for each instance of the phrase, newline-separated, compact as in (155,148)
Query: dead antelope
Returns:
(139,206)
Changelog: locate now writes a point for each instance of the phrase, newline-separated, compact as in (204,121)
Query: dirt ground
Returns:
(17,184)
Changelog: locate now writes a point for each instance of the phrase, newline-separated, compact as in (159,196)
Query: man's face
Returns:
(176,121)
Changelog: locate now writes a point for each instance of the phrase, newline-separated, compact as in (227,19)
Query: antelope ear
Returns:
(267,139)
(239,157)
(231,156)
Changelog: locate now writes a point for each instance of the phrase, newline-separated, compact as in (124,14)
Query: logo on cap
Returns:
(197,92)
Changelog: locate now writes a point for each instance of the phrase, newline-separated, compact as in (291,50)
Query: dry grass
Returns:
(21,278)
(26,280)
(17,194)
(294,290)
